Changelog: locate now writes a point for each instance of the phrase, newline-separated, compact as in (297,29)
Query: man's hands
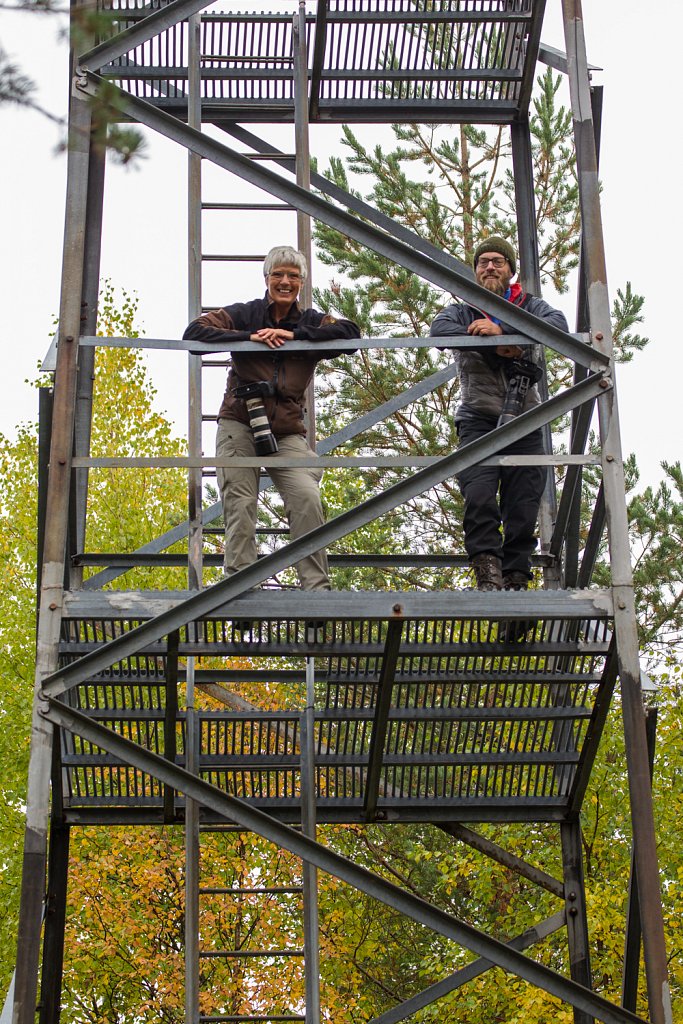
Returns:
(273,337)
(488,328)
(484,326)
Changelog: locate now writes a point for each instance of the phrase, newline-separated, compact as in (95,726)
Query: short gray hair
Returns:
(285,256)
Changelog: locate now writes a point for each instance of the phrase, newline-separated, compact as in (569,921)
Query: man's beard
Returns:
(494,284)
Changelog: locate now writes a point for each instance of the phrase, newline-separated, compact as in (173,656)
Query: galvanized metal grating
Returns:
(472,720)
(366,53)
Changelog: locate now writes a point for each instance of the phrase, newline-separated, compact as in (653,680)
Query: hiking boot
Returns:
(515,581)
(488,572)
(516,632)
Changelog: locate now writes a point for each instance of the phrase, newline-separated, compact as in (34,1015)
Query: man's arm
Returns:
(541,309)
(450,321)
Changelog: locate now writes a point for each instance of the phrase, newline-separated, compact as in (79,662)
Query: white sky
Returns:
(144,246)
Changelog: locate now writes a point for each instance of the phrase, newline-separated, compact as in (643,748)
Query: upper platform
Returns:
(377,61)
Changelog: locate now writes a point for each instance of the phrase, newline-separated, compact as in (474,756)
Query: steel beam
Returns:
(577,921)
(349,345)
(303,179)
(86,359)
(583,324)
(247,817)
(592,547)
(56,517)
(153,24)
(317,63)
(508,860)
(629,984)
(346,461)
(52,581)
(537,330)
(532,42)
(194,303)
(55,919)
(625,624)
(582,417)
(335,606)
(468,973)
(530,276)
(353,203)
(380,719)
(205,602)
(595,729)
(309,870)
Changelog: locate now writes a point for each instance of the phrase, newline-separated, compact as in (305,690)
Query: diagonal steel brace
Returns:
(206,601)
(287,838)
(307,202)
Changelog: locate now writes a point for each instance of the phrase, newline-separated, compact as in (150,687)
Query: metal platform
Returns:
(429,707)
(380,61)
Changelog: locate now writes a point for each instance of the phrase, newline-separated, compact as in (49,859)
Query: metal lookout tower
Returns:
(413,708)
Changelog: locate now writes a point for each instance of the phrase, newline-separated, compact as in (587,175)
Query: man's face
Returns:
(284,284)
(493,272)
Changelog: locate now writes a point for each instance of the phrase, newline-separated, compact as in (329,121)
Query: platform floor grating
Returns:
(473,724)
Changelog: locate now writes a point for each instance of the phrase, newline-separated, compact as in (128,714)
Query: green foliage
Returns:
(126,507)
(17,652)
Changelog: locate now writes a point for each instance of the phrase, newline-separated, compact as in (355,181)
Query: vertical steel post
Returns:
(303,177)
(308,795)
(629,982)
(309,871)
(571,561)
(192,853)
(56,518)
(575,904)
(45,411)
(55,920)
(86,359)
(625,625)
(530,279)
(194,257)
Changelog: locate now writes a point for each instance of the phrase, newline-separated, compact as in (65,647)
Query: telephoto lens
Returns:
(522,375)
(264,439)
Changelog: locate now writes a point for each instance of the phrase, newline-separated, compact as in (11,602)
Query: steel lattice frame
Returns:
(403,642)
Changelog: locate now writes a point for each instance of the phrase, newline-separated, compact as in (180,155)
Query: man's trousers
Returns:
(502,496)
(298,487)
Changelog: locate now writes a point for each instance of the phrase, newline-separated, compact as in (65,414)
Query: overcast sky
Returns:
(144,246)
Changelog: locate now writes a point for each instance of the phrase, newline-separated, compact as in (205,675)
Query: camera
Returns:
(253,395)
(522,374)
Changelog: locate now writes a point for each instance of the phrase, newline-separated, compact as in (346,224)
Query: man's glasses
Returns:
(278,275)
(498,261)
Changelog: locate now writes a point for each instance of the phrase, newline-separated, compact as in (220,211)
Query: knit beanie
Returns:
(496,244)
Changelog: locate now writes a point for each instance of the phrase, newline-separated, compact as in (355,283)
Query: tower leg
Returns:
(55,920)
(625,624)
(52,579)
(577,921)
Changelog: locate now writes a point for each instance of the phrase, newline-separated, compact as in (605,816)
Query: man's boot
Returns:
(488,572)
(510,631)
(515,581)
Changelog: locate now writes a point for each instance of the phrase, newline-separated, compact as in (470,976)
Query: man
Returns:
(279,381)
(497,495)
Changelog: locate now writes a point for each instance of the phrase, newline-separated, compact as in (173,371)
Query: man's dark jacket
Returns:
(291,372)
(483,377)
